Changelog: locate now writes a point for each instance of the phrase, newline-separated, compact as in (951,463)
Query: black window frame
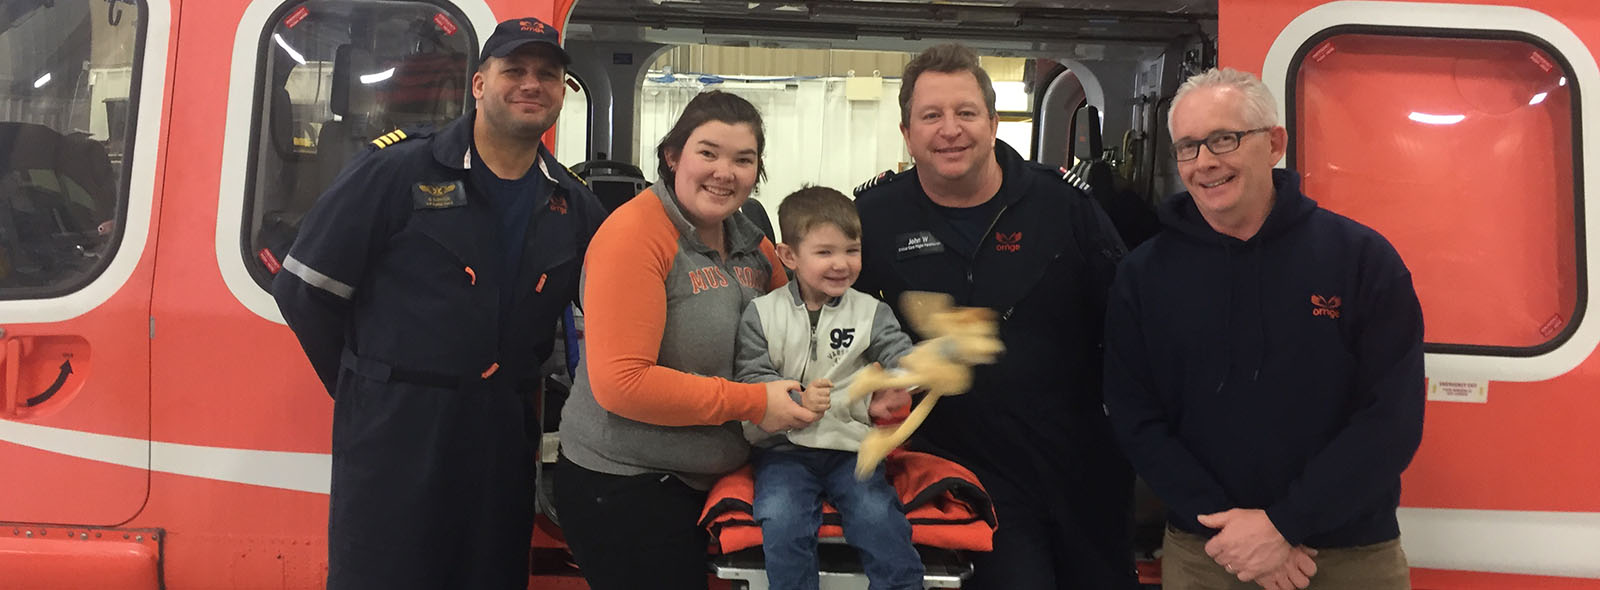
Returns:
(588,114)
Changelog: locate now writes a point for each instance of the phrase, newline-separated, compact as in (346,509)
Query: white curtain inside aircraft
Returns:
(816,133)
(828,131)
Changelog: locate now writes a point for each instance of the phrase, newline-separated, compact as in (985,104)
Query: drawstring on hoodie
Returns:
(1254,252)
(1261,327)
(1289,207)
(1227,321)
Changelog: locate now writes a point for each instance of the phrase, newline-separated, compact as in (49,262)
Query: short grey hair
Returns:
(1260,108)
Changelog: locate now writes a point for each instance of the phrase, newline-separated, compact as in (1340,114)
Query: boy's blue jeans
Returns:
(791,484)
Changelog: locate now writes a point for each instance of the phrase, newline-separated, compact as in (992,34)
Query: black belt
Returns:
(386,373)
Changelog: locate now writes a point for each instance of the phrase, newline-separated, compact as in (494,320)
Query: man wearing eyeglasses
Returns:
(1264,364)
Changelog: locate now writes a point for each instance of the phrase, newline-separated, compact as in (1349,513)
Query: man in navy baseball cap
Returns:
(521,80)
(433,480)
(515,33)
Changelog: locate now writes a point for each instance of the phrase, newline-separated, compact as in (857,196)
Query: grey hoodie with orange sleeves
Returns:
(654,391)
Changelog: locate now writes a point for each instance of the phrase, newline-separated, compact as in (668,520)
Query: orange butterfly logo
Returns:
(1325,306)
(1011,242)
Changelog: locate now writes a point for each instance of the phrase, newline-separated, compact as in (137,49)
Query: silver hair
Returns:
(1260,109)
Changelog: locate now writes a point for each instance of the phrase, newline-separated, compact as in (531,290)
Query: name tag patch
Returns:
(444,195)
(916,244)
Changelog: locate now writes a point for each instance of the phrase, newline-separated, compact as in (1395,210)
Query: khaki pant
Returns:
(1380,566)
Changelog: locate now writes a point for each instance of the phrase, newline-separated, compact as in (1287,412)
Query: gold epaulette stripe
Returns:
(389,138)
(575,176)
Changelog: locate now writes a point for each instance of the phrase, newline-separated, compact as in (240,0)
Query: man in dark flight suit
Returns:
(424,287)
(976,220)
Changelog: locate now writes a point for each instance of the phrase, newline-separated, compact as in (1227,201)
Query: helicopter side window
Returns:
(334,74)
(67,86)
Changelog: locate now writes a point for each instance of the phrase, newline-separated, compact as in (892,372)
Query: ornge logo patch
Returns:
(1327,307)
(1011,242)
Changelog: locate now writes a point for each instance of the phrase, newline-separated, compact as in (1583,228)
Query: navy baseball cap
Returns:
(515,33)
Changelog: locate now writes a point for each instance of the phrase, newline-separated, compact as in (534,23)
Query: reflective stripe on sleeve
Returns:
(317,279)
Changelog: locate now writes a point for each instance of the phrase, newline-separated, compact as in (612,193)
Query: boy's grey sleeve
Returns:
(751,361)
(888,342)
(885,346)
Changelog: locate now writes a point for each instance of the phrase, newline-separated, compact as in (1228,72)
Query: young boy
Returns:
(819,331)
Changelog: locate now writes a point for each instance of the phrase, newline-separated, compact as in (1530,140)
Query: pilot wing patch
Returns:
(442,195)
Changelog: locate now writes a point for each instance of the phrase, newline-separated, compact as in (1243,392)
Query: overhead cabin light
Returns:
(295,55)
(1436,119)
(45,79)
(1538,98)
(377,77)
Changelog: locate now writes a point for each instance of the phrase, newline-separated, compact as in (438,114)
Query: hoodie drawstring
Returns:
(1183,220)
(1253,365)
(1261,326)
(1227,319)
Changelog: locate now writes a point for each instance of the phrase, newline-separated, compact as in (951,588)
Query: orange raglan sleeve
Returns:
(625,315)
(778,278)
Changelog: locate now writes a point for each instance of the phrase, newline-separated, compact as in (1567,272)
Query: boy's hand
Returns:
(818,396)
(887,403)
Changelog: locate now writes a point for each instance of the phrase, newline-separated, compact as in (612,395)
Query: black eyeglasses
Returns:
(1219,143)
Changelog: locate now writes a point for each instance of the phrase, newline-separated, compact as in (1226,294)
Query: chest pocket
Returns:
(433,297)
(450,247)
(1037,266)
(551,258)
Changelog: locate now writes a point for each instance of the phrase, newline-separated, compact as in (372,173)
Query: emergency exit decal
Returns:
(1476,392)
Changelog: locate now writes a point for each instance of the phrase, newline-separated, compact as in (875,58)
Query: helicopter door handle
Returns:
(39,371)
(13,376)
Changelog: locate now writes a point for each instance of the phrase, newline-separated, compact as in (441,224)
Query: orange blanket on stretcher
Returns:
(945,504)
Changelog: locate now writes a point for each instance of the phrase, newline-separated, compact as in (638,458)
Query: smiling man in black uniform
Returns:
(976,220)
(424,287)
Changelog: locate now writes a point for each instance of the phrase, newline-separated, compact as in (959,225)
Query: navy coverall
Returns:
(1032,428)
(394,290)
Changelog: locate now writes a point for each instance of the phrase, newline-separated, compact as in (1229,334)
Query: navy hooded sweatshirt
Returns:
(1283,372)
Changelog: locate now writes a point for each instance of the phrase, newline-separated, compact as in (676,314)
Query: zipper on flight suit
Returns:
(973,257)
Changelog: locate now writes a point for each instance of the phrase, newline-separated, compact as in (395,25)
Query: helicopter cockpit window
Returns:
(68,72)
(334,74)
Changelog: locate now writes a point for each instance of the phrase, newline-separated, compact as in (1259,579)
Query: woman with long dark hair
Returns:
(653,419)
